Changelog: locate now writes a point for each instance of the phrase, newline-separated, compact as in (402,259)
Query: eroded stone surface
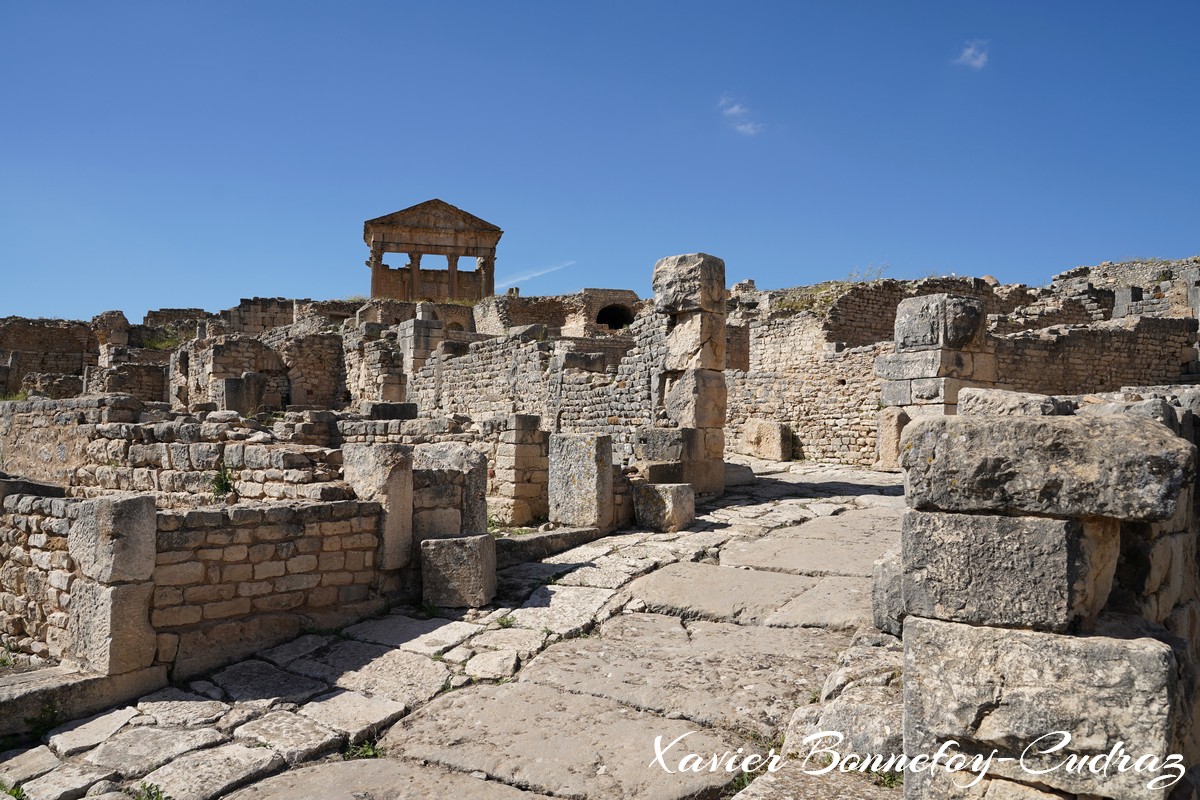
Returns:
(81,735)
(260,684)
(565,610)
(213,773)
(18,766)
(66,782)
(835,601)
(136,751)
(705,591)
(402,676)
(297,738)
(425,636)
(352,713)
(175,707)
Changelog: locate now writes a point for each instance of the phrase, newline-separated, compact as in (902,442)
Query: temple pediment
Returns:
(436,215)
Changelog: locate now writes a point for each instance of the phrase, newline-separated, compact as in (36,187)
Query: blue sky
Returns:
(189,154)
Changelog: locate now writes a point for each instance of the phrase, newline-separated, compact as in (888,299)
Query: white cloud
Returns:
(739,116)
(513,280)
(974,54)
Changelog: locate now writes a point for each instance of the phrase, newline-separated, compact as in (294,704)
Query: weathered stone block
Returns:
(459,572)
(999,402)
(113,539)
(937,390)
(707,476)
(1024,572)
(891,422)
(474,467)
(581,484)
(664,507)
(924,364)
(693,282)
(938,321)
(696,341)
(109,630)
(887,601)
(1062,466)
(1023,685)
(766,439)
(381,410)
(383,472)
(696,398)
(896,393)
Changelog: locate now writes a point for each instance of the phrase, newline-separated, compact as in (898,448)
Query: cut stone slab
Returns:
(429,637)
(792,783)
(589,747)
(173,706)
(213,773)
(836,602)
(75,737)
(18,766)
(664,507)
(296,738)
(136,751)
(610,571)
(67,782)
(493,665)
(459,572)
(515,584)
(262,685)
(372,669)
(847,544)
(353,714)
(524,641)
(565,610)
(383,779)
(288,652)
(714,673)
(707,591)
(1065,466)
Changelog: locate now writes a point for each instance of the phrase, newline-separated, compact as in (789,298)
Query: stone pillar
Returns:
(1012,569)
(383,472)
(487,275)
(581,480)
(521,480)
(414,264)
(690,291)
(452,266)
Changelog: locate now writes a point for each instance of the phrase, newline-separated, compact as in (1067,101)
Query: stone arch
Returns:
(615,317)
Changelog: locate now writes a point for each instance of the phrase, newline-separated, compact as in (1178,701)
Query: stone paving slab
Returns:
(136,751)
(173,706)
(353,714)
(707,591)
(372,669)
(214,773)
(837,602)
(609,571)
(736,677)
(428,637)
(18,766)
(526,642)
(379,779)
(259,684)
(288,652)
(547,740)
(515,584)
(75,737)
(847,544)
(792,783)
(297,738)
(67,782)
(565,610)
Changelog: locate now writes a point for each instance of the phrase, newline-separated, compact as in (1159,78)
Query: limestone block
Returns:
(1023,685)
(939,321)
(383,472)
(767,440)
(109,630)
(437,523)
(580,483)
(671,444)
(1156,409)
(999,402)
(459,572)
(939,363)
(693,282)
(1120,467)
(707,476)
(696,341)
(474,467)
(887,601)
(113,539)
(381,410)
(1024,572)
(890,426)
(696,398)
(937,390)
(664,507)
(896,393)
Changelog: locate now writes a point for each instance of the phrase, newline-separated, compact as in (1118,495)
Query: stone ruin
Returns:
(189,491)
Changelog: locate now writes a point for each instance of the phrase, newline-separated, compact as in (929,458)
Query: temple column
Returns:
(414,263)
(375,262)
(487,275)
(452,261)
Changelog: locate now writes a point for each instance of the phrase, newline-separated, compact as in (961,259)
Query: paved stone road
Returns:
(717,634)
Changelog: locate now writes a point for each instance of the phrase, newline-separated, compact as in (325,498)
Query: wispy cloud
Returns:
(739,116)
(513,280)
(974,54)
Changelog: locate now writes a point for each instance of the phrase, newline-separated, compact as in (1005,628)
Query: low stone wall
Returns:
(36,576)
(223,575)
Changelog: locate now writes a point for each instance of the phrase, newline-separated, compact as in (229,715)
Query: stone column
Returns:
(487,275)
(521,472)
(414,264)
(452,266)
(689,290)
(1012,569)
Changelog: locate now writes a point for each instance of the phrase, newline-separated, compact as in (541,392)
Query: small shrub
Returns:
(150,791)
(367,749)
(166,342)
(14,397)
(222,482)
(431,610)
(507,621)
(887,779)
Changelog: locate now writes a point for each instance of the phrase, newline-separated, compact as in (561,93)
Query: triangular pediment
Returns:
(433,215)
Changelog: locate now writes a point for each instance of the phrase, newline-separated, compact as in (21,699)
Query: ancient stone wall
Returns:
(36,573)
(256,315)
(243,566)
(43,345)
(146,382)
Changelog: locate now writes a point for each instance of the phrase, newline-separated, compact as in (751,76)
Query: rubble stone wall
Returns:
(36,573)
